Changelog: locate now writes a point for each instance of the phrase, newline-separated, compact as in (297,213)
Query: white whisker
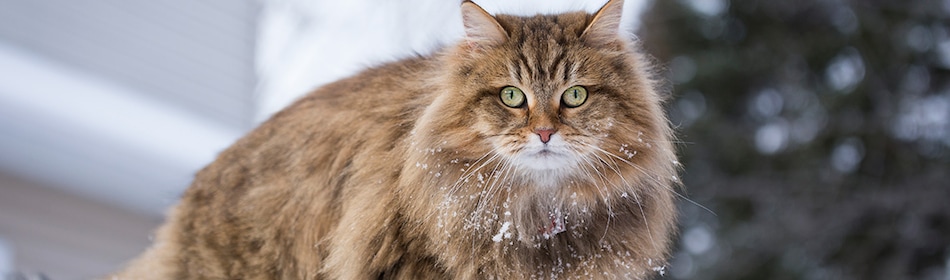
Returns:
(655,180)
(603,190)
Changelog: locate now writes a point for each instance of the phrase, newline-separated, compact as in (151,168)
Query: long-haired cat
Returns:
(536,147)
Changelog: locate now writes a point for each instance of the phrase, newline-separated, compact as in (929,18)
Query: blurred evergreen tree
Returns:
(818,132)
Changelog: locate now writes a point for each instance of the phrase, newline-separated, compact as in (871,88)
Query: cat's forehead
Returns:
(561,28)
(542,55)
(545,53)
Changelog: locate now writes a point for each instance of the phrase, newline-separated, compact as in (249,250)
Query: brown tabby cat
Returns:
(535,148)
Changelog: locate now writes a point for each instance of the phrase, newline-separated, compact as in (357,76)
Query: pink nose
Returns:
(545,134)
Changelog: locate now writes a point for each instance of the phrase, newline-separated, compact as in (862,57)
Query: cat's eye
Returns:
(574,96)
(512,97)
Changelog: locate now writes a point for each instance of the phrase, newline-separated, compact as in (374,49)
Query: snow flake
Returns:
(660,269)
(503,232)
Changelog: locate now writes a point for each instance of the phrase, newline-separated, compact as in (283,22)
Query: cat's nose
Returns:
(545,134)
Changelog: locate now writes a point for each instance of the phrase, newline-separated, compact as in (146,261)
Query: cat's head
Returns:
(555,97)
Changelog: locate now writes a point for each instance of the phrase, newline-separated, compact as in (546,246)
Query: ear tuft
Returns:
(604,28)
(481,29)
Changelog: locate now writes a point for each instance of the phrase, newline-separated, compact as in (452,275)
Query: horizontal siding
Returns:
(67,237)
(194,54)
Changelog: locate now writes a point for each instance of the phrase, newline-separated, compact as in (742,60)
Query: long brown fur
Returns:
(405,171)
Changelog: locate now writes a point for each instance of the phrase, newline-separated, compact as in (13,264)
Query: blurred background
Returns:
(815,134)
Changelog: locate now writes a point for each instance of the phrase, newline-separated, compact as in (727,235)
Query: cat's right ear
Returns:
(481,29)
(604,28)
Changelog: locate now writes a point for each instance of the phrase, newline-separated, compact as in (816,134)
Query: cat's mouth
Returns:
(545,158)
(552,156)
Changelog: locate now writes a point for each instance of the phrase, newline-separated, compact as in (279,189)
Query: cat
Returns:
(536,147)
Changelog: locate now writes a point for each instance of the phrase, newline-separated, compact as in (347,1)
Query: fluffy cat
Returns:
(536,147)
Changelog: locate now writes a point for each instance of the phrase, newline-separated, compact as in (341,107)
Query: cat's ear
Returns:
(604,28)
(481,29)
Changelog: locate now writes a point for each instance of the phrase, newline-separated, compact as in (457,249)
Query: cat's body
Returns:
(417,169)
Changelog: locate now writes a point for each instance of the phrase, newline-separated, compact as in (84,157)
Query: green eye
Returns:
(574,96)
(512,97)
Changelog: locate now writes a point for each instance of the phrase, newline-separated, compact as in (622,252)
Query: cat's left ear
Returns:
(481,29)
(604,28)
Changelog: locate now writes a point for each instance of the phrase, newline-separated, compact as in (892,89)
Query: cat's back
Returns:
(363,116)
(377,92)
(277,193)
(374,106)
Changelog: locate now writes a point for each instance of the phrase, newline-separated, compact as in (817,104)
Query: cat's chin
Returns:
(545,160)
(547,175)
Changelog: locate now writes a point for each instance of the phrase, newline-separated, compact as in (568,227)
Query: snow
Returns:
(503,232)
(846,71)
(698,240)
(660,269)
(771,138)
(629,153)
(557,226)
